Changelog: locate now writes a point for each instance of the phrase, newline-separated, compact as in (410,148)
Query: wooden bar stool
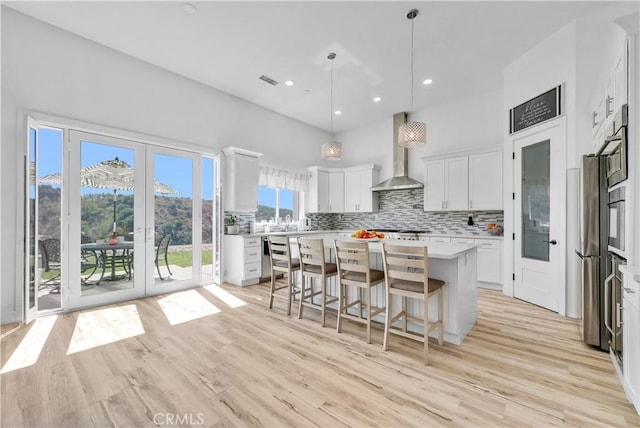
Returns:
(352,259)
(314,267)
(282,263)
(407,275)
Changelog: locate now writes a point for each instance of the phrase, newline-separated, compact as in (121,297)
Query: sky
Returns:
(171,170)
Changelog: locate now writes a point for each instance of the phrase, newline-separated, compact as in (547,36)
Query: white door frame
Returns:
(161,287)
(30,312)
(71,222)
(559,231)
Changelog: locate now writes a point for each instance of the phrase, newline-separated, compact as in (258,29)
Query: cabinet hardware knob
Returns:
(629,290)
(552,242)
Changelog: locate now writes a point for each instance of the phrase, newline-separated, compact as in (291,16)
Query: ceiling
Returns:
(462,46)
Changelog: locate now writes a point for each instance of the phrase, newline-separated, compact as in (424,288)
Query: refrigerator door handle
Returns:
(607,301)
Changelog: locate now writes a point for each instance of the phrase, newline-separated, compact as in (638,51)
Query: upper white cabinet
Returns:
(446,184)
(326,191)
(357,189)
(240,187)
(317,199)
(462,183)
(485,181)
(336,191)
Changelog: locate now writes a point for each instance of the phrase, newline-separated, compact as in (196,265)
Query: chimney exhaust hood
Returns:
(400,179)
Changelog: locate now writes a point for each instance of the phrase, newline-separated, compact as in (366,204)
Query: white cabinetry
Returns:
(485,181)
(357,189)
(240,187)
(336,191)
(631,339)
(318,196)
(461,183)
(489,260)
(446,187)
(242,259)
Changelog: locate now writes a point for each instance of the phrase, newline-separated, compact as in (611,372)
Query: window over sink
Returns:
(274,202)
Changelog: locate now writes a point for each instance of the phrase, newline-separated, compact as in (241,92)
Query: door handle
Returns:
(607,304)
(618,315)
(552,242)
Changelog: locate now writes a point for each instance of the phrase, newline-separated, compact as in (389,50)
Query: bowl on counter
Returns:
(496,231)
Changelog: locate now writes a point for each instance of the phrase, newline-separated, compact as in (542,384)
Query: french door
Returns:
(539,212)
(133,220)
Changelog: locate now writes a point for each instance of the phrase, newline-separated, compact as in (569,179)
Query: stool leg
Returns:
(302,292)
(340,306)
(387,322)
(271,288)
(290,292)
(323,303)
(425,305)
(440,317)
(404,310)
(368,314)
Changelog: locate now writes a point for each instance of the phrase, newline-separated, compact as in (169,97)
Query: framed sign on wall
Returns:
(544,107)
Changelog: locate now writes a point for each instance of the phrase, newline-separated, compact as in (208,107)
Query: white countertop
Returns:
(429,234)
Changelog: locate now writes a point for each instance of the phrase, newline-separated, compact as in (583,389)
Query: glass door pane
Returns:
(31,253)
(106,219)
(535,201)
(49,217)
(175,195)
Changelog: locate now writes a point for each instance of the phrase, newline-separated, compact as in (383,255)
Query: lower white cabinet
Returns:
(489,260)
(242,259)
(631,340)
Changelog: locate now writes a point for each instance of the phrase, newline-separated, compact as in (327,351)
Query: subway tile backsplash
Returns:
(403,209)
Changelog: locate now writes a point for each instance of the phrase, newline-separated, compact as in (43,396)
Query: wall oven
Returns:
(614,149)
(616,206)
(613,305)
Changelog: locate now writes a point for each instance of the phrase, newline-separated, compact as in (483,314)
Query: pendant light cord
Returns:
(331,106)
(411,81)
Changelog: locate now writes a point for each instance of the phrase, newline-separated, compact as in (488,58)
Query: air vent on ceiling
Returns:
(269,80)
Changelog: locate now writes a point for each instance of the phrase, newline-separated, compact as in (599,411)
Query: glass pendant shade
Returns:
(412,134)
(332,151)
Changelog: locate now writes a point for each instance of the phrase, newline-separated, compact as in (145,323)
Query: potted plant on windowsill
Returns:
(233,227)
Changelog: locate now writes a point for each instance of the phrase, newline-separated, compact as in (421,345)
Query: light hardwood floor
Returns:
(247,366)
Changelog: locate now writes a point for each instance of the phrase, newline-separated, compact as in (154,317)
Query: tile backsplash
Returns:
(404,209)
(398,209)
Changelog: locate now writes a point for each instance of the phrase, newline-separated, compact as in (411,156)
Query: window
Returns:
(274,203)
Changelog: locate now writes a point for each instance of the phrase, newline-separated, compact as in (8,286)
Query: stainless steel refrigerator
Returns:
(592,248)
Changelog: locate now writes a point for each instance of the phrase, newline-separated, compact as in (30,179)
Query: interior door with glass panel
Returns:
(105,218)
(174,225)
(539,213)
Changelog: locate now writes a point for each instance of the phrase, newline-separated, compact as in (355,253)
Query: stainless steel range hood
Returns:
(400,179)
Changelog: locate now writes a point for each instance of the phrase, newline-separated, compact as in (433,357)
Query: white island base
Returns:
(455,264)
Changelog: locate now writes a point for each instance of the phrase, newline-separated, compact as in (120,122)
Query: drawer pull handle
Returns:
(629,290)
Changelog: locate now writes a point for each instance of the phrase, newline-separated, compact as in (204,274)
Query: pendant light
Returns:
(331,151)
(412,134)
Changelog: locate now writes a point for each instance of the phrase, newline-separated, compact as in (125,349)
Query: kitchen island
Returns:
(456,265)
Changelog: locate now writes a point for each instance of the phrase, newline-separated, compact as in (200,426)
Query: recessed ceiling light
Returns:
(338,112)
(189,9)
(288,82)
(427,82)
(377,99)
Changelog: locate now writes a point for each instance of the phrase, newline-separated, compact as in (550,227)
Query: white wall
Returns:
(548,64)
(470,123)
(45,69)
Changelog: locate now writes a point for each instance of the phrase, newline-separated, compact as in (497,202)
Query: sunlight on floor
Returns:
(28,351)
(186,306)
(224,295)
(103,326)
